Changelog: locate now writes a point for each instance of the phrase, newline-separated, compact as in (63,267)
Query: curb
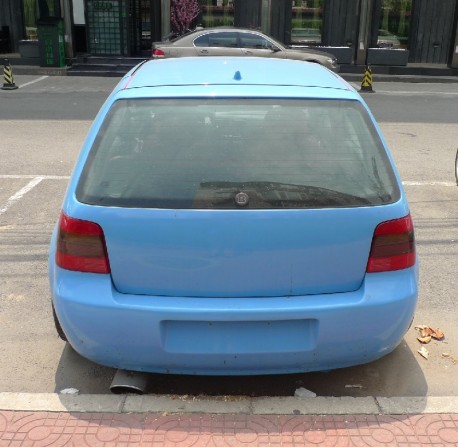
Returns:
(419,79)
(38,71)
(107,403)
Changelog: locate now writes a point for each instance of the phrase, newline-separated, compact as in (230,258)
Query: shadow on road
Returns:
(397,374)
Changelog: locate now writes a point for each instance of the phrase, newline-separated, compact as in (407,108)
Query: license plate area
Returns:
(239,337)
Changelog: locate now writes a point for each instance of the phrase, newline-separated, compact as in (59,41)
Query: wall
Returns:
(11,16)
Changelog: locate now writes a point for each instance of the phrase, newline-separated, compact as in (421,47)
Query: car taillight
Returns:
(158,53)
(81,246)
(393,246)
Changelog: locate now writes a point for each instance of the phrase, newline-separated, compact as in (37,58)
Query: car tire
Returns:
(456,167)
(59,330)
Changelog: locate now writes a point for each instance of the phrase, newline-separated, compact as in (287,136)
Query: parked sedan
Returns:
(233,216)
(228,41)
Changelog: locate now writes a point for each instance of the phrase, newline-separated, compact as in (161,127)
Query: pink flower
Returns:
(182,13)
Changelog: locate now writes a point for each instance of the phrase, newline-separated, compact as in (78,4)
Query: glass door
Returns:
(146,24)
(106,27)
(392,24)
(307,22)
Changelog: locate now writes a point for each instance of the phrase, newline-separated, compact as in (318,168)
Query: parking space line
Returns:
(44,177)
(409,183)
(14,198)
(33,82)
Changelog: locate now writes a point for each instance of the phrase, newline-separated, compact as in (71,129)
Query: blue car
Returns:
(233,216)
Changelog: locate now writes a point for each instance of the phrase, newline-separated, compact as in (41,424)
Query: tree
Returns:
(182,14)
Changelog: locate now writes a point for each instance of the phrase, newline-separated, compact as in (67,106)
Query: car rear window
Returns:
(220,39)
(237,154)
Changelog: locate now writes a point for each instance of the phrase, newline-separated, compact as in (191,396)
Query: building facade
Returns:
(379,32)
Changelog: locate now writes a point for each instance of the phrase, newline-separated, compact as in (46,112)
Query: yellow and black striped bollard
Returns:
(366,85)
(8,77)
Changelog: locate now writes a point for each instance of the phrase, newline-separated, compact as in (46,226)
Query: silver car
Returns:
(228,41)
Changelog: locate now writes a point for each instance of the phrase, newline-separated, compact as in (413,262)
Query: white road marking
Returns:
(381,92)
(44,177)
(33,82)
(14,198)
(408,183)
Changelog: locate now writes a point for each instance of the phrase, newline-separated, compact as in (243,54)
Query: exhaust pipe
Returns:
(125,382)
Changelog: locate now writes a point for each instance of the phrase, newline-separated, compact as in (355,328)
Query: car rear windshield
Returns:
(237,154)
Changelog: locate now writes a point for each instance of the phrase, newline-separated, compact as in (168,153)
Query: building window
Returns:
(394,24)
(217,13)
(48,8)
(35,10)
(30,19)
(307,22)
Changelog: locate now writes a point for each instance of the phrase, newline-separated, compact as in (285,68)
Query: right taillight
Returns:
(393,246)
(81,246)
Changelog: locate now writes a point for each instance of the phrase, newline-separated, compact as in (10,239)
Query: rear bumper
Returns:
(233,335)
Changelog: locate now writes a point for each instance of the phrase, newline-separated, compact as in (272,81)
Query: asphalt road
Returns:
(42,126)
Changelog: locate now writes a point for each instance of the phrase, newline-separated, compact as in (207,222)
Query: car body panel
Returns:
(232,291)
(233,253)
(219,336)
(223,70)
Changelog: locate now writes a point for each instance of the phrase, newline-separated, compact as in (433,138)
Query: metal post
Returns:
(266,8)
(165,10)
(67,10)
(364,32)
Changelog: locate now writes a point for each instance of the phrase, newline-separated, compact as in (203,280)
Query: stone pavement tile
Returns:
(40,429)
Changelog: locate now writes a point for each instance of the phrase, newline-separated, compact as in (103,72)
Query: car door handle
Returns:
(248,52)
(203,51)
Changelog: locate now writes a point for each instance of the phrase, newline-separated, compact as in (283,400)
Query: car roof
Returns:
(236,71)
(225,28)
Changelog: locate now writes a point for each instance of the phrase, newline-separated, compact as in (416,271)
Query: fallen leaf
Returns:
(424,340)
(427,331)
(437,334)
(423,352)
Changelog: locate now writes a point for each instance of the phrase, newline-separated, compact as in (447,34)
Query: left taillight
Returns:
(81,246)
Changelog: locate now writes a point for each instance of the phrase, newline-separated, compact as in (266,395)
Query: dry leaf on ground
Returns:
(427,331)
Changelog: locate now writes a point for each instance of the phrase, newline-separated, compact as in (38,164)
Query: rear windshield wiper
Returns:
(280,195)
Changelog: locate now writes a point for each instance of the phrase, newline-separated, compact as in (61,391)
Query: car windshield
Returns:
(237,154)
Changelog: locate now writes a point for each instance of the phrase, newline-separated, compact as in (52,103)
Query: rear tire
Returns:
(59,330)
(456,167)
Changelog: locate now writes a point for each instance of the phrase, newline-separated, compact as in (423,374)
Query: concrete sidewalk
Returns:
(31,420)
